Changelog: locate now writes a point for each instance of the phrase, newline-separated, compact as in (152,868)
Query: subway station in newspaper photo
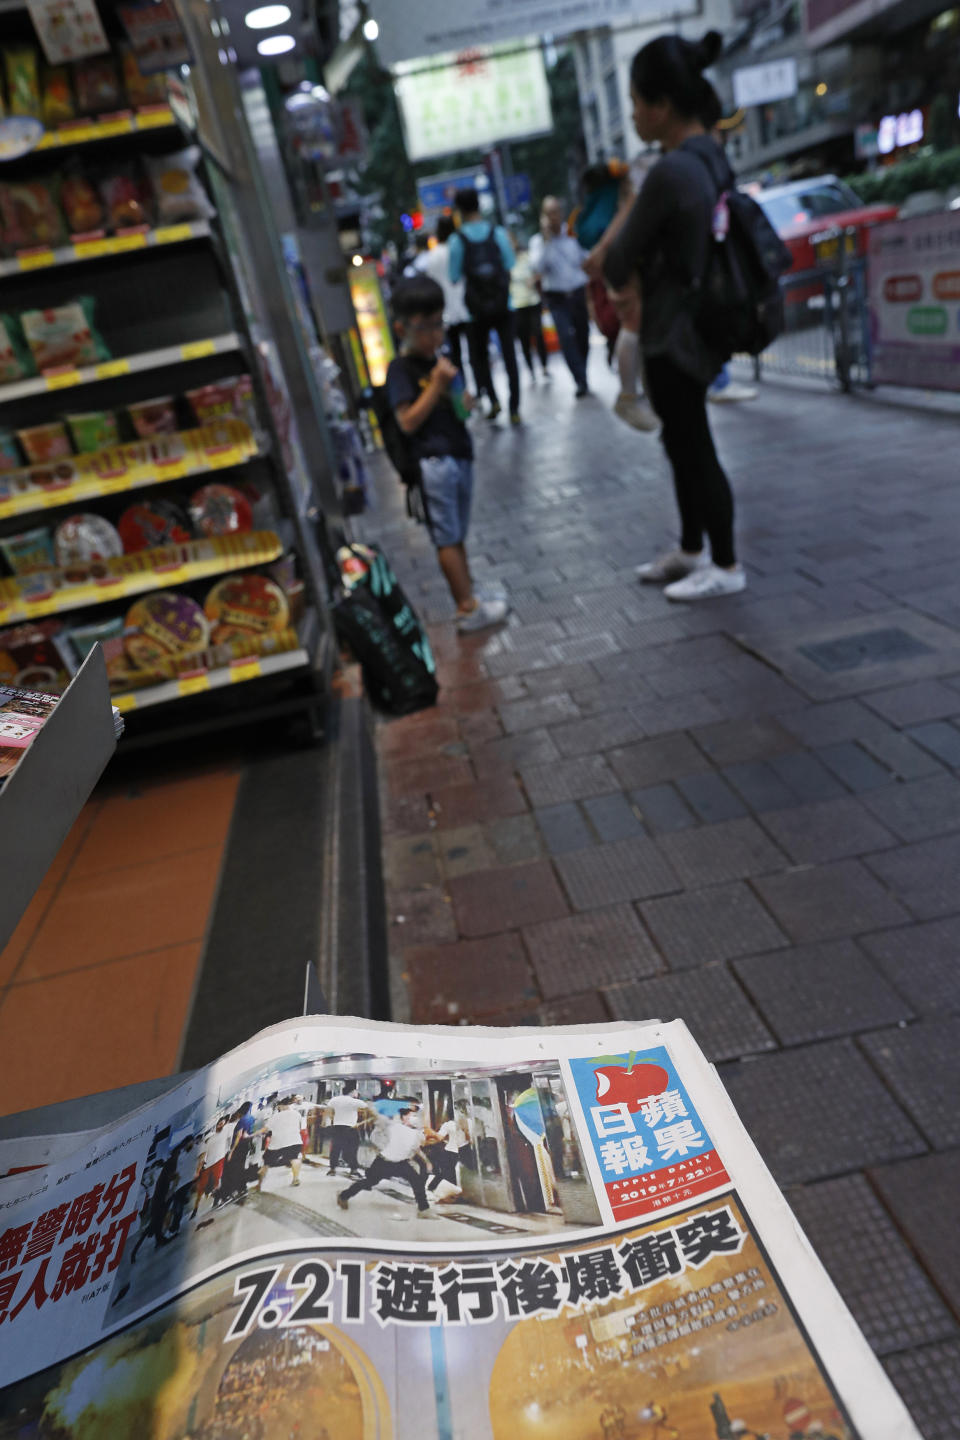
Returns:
(673,1330)
(360,1146)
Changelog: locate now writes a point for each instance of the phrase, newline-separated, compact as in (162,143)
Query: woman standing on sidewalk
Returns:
(666,238)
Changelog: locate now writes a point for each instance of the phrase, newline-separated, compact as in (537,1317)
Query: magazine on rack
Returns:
(348,1229)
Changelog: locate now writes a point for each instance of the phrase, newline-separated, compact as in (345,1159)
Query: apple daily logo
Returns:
(644,1127)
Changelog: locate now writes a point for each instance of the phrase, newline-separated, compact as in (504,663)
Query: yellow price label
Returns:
(193,684)
(134,241)
(63,379)
(90,249)
(172,234)
(122,125)
(49,499)
(36,259)
(69,135)
(244,670)
(223,459)
(108,369)
(151,119)
(124,702)
(196,349)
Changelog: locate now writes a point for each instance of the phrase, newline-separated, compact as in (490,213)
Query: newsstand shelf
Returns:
(136,574)
(53,380)
(188,453)
(108,127)
(249,667)
(46,792)
(95,247)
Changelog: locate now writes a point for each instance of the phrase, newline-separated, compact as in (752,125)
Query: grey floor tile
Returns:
(922,876)
(731,851)
(825,901)
(890,1295)
(929,1382)
(921,1195)
(662,809)
(607,874)
(942,740)
(613,817)
(920,808)
(816,992)
(723,1021)
(923,962)
(830,830)
(921,1065)
(760,786)
(563,828)
(712,798)
(714,924)
(584,952)
(788,1103)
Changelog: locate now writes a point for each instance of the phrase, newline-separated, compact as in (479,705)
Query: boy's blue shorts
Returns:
(448,487)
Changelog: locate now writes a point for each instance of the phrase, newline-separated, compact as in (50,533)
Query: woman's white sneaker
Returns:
(708,583)
(635,412)
(484,614)
(673,566)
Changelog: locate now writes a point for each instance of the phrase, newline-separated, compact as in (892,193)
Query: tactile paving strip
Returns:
(818,991)
(921,1064)
(922,1195)
(715,853)
(582,952)
(722,1019)
(892,1299)
(626,870)
(929,1381)
(819,1111)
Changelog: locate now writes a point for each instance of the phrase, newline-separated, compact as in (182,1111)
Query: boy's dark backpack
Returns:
(400,453)
(376,621)
(739,309)
(486,278)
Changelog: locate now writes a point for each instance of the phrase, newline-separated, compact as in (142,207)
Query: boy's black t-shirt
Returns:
(442,433)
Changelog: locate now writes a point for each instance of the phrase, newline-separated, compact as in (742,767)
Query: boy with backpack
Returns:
(430,415)
(482,256)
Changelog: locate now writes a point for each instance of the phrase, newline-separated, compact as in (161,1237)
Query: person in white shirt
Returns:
(403,1141)
(213,1153)
(285,1147)
(436,264)
(346,1111)
(183,1183)
(556,259)
(444,1158)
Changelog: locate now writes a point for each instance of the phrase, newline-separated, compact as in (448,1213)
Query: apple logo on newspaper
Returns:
(630,1084)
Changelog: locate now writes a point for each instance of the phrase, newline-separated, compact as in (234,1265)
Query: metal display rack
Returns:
(181,306)
(43,797)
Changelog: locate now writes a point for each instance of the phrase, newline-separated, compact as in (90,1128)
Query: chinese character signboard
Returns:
(913,284)
(472,99)
(650,1144)
(763,84)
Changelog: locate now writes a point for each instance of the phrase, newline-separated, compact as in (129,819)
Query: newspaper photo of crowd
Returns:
(355,1145)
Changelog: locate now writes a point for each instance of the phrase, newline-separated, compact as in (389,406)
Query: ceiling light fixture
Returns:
(276,45)
(266,16)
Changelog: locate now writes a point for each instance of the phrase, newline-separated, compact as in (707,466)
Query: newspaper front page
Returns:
(347,1230)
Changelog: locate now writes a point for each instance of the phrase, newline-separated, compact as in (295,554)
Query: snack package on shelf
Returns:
(246,604)
(164,625)
(93,430)
(220,510)
(36,656)
(16,362)
(10,457)
(150,523)
(43,443)
(57,96)
(109,634)
(142,90)
(64,336)
(154,417)
(30,215)
(177,192)
(29,551)
(223,398)
(84,538)
(127,198)
(23,80)
(284,572)
(81,204)
(97,87)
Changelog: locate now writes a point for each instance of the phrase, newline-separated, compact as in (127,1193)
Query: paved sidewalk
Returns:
(745,813)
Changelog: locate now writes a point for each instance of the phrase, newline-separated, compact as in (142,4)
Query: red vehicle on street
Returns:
(803,208)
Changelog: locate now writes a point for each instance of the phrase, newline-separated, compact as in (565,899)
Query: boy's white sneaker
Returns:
(636,412)
(708,583)
(674,565)
(486,613)
(490,590)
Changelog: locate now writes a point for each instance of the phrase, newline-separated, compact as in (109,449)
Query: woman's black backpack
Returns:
(486,290)
(739,309)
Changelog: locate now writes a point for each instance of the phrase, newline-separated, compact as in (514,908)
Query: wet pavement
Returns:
(744,813)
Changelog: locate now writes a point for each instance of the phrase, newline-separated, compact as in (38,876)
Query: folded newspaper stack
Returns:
(23,713)
(346,1230)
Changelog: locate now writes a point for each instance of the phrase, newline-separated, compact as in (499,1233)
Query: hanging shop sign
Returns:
(913,283)
(422,27)
(472,99)
(372,322)
(764,84)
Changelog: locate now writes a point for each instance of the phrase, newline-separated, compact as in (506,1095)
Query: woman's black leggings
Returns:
(703,491)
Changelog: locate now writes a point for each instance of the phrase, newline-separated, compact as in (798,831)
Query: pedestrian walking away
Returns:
(666,238)
(527,310)
(346,1111)
(436,264)
(557,261)
(481,255)
(403,1141)
(430,414)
